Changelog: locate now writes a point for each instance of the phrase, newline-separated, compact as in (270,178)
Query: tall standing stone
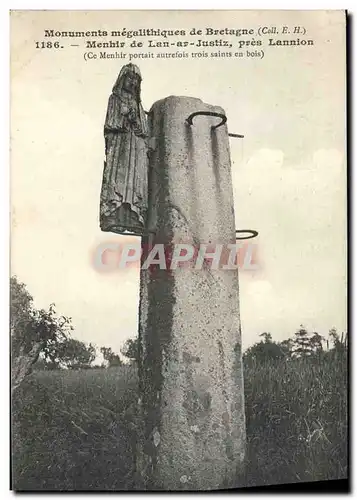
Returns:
(191,381)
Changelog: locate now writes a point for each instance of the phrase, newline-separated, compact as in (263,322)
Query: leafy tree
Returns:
(130,349)
(111,357)
(20,307)
(32,331)
(301,342)
(340,346)
(287,347)
(267,337)
(316,341)
(302,345)
(75,355)
(264,350)
(339,342)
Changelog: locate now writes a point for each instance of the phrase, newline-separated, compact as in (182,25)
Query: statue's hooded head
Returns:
(129,80)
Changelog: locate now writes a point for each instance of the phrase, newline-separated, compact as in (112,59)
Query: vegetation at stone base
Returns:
(297,419)
(76,430)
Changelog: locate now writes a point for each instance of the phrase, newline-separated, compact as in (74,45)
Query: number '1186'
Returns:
(48,45)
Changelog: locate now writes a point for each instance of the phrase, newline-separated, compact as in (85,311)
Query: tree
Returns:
(316,343)
(267,337)
(130,349)
(22,318)
(340,346)
(110,356)
(32,331)
(287,347)
(339,342)
(75,355)
(264,350)
(301,342)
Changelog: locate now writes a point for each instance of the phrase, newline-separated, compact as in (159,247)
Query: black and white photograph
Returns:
(178,274)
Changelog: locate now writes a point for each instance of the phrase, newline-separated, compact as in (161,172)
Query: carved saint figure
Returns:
(123,201)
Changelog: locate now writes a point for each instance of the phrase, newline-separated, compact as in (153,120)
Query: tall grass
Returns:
(75,430)
(297,420)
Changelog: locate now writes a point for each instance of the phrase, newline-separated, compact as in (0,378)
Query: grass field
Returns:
(75,430)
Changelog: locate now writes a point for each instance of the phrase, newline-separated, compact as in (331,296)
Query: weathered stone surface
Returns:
(191,382)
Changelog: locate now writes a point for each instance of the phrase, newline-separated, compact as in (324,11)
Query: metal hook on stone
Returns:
(223,118)
(252,233)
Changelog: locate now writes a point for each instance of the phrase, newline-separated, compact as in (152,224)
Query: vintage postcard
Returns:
(178,250)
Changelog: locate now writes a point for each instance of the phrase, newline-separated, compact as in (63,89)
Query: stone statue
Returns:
(123,201)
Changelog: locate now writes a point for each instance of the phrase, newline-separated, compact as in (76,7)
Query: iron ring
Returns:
(252,232)
(207,113)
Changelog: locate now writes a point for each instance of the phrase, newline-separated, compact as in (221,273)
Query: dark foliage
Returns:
(111,357)
(131,349)
(77,430)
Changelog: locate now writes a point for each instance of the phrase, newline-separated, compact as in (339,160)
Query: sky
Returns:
(289,172)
